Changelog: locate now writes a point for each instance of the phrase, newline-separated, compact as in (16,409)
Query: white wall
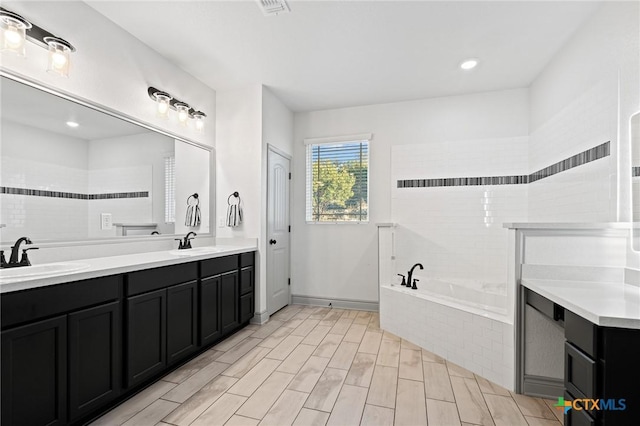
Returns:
(192,177)
(340,261)
(591,82)
(247,120)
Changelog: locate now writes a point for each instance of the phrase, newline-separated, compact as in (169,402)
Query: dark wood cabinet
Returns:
(182,317)
(599,365)
(229,319)
(210,328)
(73,350)
(34,373)
(94,358)
(146,320)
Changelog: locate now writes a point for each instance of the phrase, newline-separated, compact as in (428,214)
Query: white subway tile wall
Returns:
(456,232)
(482,345)
(582,194)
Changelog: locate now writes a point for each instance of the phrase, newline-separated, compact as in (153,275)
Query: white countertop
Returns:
(605,304)
(103,266)
(570,225)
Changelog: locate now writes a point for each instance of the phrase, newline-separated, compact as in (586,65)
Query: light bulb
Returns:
(13,37)
(183,113)
(199,124)
(163,102)
(13,33)
(469,64)
(59,60)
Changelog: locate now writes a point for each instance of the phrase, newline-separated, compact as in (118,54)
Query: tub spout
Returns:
(409,282)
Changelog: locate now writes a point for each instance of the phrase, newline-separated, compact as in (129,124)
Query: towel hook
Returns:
(195,197)
(235,194)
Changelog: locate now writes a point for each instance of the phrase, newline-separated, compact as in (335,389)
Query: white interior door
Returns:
(278,252)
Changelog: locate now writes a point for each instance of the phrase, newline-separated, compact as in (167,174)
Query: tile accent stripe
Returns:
(635,171)
(595,153)
(71,195)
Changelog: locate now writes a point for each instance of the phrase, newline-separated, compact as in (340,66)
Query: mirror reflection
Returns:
(635,177)
(69,173)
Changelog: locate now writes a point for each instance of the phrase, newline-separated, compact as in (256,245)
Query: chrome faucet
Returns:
(15,250)
(186,242)
(410,274)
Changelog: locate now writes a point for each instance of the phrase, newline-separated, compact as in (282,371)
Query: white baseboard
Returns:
(260,317)
(361,305)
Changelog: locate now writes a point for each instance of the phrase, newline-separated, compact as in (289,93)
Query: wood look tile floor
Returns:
(315,366)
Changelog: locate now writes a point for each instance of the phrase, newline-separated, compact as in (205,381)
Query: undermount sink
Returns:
(196,251)
(13,274)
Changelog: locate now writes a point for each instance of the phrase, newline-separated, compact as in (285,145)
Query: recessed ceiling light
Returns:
(72,124)
(469,64)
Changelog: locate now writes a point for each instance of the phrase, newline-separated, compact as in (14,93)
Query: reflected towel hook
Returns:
(235,194)
(195,197)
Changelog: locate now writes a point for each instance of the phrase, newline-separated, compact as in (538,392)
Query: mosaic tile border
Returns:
(71,195)
(593,154)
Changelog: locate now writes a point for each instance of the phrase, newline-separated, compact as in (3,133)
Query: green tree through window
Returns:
(338,175)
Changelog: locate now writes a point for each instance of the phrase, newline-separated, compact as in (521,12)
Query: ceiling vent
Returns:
(273,7)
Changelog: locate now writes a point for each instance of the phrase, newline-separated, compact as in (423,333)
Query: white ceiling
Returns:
(329,54)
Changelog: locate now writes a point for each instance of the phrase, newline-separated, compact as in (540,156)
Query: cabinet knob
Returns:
(272,242)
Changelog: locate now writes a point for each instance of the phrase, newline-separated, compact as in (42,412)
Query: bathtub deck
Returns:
(317,366)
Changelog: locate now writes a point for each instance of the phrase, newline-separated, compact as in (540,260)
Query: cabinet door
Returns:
(94,358)
(247,280)
(181,321)
(146,336)
(34,373)
(229,302)
(210,328)
(246,307)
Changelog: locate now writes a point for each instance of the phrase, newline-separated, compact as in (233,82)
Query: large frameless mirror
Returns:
(635,179)
(74,172)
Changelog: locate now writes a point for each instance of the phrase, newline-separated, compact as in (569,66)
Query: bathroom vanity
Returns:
(601,324)
(75,345)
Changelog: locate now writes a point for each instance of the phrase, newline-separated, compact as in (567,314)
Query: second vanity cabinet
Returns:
(599,364)
(71,351)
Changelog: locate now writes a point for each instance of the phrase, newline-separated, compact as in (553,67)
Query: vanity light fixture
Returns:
(14,30)
(165,102)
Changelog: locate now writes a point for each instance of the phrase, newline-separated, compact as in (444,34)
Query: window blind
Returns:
(338,181)
(170,189)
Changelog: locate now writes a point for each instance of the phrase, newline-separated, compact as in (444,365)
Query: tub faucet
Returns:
(411,273)
(186,242)
(15,250)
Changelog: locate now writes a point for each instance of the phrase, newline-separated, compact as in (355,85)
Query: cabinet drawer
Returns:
(579,372)
(29,305)
(577,417)
(544,305)
(219,265)
(581,333)
(157,278)
(247,259)
(247,280)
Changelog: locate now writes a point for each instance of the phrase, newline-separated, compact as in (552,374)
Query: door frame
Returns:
(275,150)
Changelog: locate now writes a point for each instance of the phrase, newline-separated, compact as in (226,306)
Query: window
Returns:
(338,179)
(170,189)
